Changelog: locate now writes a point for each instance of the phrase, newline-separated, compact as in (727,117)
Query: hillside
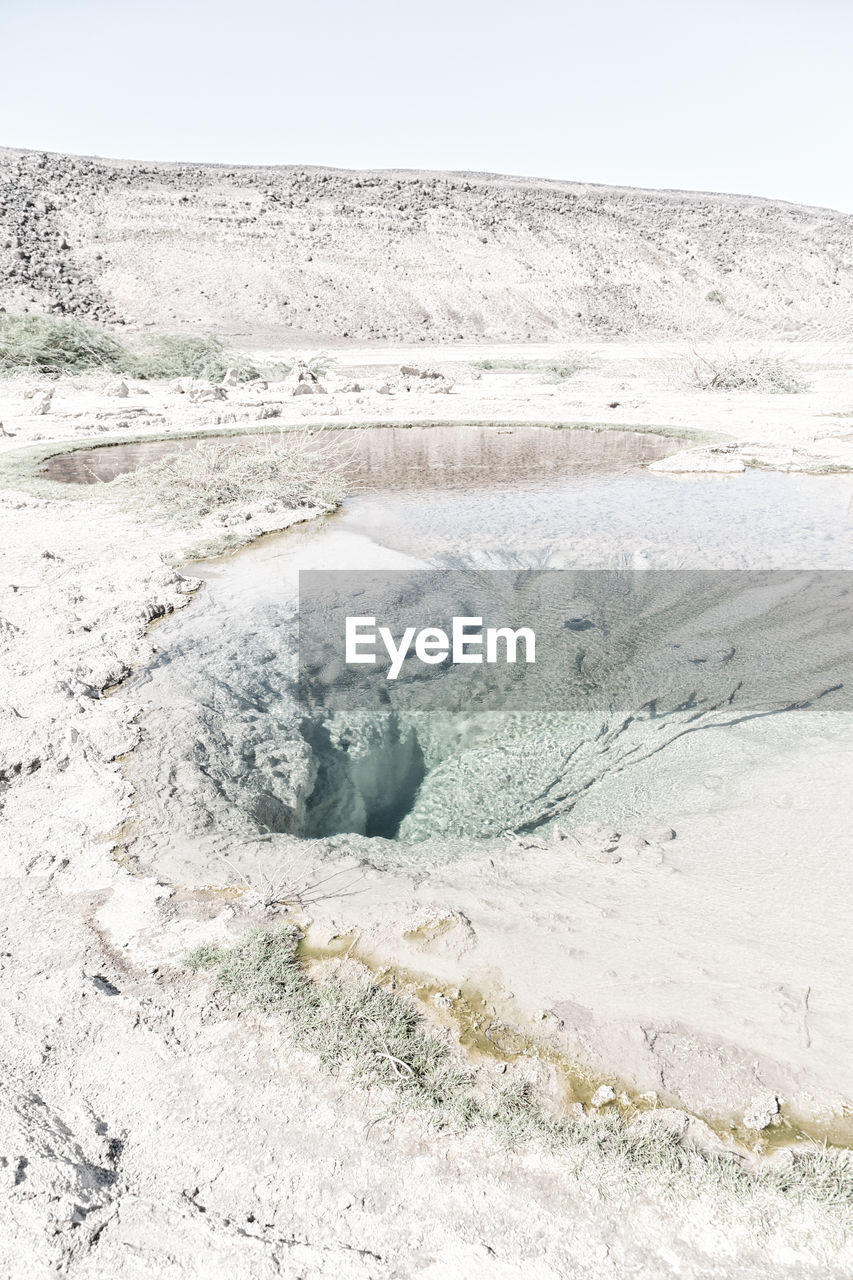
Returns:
(307,252)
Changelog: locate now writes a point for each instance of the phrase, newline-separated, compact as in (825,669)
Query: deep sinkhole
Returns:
(366,787)
(646,681)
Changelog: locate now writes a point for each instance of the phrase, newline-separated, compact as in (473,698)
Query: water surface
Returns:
(459,497)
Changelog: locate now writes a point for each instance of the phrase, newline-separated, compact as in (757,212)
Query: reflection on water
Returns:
(531,497)
(409,457)
(455,459)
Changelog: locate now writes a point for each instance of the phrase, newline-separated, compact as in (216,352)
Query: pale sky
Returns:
(747,96)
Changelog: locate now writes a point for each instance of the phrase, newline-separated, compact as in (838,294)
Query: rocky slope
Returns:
(289,253)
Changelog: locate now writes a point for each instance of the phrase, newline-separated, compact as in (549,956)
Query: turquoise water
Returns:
(488,498)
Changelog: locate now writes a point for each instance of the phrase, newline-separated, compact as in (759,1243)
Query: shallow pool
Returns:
(733,932)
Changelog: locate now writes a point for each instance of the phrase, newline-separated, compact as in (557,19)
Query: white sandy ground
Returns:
(233,1154)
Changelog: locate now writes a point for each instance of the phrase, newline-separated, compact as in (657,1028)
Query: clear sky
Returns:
(751,96)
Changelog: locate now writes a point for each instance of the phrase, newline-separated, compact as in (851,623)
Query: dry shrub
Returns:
(725,370)
(174,356)
(285,469)
(53,345)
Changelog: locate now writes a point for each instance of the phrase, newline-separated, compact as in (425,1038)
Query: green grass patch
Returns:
(169,356)
(382,1040)
(558,369)
(359,1025)
(53,345)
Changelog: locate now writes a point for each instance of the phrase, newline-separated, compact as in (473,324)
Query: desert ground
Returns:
(153,1123)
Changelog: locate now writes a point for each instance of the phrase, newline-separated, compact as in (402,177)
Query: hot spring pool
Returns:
(735,932)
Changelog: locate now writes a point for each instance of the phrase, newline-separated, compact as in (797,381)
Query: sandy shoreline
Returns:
(120,1072)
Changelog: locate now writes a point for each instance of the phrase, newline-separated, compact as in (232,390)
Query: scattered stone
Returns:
(103,985)
(198,389)
(762,1112)
(700,1134)
(204,391)
(595,843)
(659,834)
(155,610)
(603,1094)
(303,381)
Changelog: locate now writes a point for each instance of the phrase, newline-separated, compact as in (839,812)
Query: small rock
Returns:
(413,371)
(303,381)
(606,857)
(103,985)
(603,1094)
(659,834)
(762,1112)
(203,392)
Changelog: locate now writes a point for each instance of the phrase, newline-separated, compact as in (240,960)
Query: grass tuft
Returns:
(726,371)
(284,469)
(171,356)
(57,345)
(553,370)
(383,1040)
(54,345)
(359,1025)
